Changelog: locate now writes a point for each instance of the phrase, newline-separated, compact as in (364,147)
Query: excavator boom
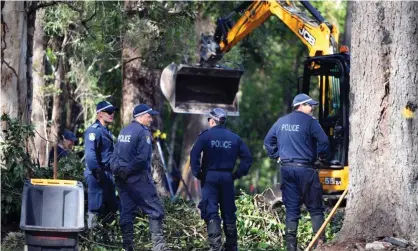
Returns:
(197,88)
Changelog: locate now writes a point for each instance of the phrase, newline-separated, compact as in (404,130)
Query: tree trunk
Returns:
(130,90)
(194,123)
(57,104)
(39,113)
(172,140)
(69,118)
(14,98)
(383,157)
(141,85)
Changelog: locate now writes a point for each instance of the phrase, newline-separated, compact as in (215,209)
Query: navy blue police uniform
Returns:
(98,147)
(61,152)
(297,139)
(221,148)
(131,165)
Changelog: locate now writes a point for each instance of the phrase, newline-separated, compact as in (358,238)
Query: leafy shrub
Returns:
(16,166)
(258,229)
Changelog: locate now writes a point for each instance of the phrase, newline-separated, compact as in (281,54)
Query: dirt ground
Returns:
(356,246)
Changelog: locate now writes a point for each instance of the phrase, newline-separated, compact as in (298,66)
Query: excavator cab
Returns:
(326,79)
(197,89)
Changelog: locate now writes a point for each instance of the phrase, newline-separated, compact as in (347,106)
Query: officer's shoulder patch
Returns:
(148,140)
(203,131)
(92,136)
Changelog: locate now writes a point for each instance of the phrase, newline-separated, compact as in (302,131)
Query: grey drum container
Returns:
(53,207)
(197,89)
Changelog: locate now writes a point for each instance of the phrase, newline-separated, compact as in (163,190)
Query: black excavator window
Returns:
(326,79)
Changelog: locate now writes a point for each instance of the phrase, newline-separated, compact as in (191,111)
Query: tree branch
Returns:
(33,7)
(84,22)
(8,66)
(131,59)
(80,11)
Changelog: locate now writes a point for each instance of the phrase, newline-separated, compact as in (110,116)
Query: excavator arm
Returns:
(319,36)
(196,89)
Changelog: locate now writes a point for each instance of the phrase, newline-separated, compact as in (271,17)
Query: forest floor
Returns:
(358,245)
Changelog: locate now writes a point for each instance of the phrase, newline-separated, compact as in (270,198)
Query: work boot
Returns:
(157,235)
(317,221)
(214,235)
(127,237)
(231,236)
(291,232)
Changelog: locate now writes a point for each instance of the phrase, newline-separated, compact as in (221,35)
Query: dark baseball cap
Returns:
(302,99)
(69,135)
(105,106)
(142,109)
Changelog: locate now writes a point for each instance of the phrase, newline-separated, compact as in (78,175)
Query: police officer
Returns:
(98,147)
(64,147)
(296,140)
(220,148)
(131,165)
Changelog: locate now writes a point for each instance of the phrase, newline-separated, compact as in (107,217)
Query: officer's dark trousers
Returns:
(218,192)
(140,194)
(101,197)
(300,185)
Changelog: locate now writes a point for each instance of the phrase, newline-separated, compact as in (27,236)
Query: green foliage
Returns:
(258,229)
(13,241)
(15,166)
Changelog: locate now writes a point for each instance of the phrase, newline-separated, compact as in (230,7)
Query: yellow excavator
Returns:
(195,89)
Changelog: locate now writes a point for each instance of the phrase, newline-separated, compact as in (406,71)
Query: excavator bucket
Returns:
(196,90)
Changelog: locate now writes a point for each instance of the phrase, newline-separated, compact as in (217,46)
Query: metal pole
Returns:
(160,150)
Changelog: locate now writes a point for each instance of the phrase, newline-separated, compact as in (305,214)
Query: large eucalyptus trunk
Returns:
(383,156)
(39,116)
(15,92)
(194,125)
(141,85)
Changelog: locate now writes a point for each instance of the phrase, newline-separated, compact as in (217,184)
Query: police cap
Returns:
(142,109)
(302,99)
(69,135)
(105,106)
(218,114)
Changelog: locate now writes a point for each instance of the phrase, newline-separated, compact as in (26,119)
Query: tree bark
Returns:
(141,85)
(39,112)
(14,87)
(383,156)
(194,124)
(172,140)
(57,104)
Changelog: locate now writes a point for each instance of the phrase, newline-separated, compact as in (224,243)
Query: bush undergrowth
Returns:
(258,229)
